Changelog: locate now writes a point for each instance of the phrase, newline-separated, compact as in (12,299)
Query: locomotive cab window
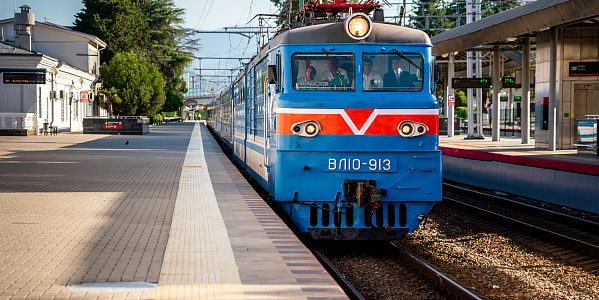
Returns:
(323,72)
(392,72)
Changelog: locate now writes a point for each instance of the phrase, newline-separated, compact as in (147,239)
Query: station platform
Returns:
(159,216)
(561,177)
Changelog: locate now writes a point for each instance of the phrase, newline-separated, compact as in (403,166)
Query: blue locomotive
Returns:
(338,122)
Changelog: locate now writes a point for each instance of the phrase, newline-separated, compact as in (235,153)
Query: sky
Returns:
(205,14)
(200,14)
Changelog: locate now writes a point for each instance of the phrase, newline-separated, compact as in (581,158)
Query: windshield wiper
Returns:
(406,58)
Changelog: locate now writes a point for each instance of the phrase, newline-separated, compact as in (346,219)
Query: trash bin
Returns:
(46,128)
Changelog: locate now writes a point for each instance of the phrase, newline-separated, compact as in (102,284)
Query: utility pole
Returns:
(474,101)
(200,69)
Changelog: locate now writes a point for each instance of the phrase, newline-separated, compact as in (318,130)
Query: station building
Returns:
(551,45)
(550,49)
(50,74)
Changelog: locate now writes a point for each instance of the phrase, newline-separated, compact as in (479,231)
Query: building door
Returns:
(586,102)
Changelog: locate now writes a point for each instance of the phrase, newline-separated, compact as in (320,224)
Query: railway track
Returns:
(387,267)
(440,279)
(573,233)
(347,287)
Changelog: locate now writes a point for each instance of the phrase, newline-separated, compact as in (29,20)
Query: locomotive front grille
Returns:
(325,216)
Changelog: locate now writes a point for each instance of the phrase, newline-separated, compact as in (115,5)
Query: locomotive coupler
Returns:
(362,192)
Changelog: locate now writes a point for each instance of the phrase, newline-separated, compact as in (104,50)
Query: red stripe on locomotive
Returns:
(334,124)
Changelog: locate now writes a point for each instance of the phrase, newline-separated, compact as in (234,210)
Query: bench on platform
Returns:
(51,129)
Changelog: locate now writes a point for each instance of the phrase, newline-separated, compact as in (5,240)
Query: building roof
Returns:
(70,29)
(90,37)
(7,49)
(526,19)
(335,33)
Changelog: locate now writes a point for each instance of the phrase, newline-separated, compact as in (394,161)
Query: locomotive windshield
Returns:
(392,72)
(323,71)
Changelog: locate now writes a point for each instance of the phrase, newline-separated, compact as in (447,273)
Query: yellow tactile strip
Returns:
(199,262)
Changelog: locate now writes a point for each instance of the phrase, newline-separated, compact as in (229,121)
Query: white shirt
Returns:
(367,80)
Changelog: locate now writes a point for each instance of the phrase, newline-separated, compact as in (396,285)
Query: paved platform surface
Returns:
(510,150)
(139,210)
(513,146)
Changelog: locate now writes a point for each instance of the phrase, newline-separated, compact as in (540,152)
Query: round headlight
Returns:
(311,129)
(406,129)
(358,26)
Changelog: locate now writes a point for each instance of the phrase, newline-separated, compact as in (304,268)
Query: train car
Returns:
(338,122)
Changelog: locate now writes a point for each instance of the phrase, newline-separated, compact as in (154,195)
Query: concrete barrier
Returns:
(117,125)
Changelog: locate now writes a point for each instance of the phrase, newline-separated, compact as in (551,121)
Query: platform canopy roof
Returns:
(520,21)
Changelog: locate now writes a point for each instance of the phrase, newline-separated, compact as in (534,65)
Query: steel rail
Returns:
(440,279)
(555,216)
(547,234)
(347,287)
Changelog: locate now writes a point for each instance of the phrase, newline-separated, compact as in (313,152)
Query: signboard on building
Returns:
(24,78)
(84,96)
(589,68)
(475,83)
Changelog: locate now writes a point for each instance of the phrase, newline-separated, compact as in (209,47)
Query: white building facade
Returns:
(66,65)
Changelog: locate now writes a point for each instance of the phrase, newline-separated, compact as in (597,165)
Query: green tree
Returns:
(285,7)
(133,85)
(433,16)
(150,28)
(460,98)
(120,23)
(170,48)
(429,16)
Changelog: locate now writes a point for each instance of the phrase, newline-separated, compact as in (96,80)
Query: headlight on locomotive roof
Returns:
(306,128)
(411,129)
(358,26)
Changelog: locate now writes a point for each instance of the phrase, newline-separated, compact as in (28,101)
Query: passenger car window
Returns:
(391,72)
(323,72)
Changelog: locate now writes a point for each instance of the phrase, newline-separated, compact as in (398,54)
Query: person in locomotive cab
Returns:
(309,79)
(335,76)
(370,80)
(396,77)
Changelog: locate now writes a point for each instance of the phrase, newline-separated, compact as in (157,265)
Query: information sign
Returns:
(24,78)
(509,82)
(451,100)
(84,96)
(589,68)
(476,83)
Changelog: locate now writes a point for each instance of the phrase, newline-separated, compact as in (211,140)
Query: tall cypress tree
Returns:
(117,22)
(169,48)
(151,29)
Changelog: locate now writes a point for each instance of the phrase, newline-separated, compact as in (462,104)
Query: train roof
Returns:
(384,33)
(335,33)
